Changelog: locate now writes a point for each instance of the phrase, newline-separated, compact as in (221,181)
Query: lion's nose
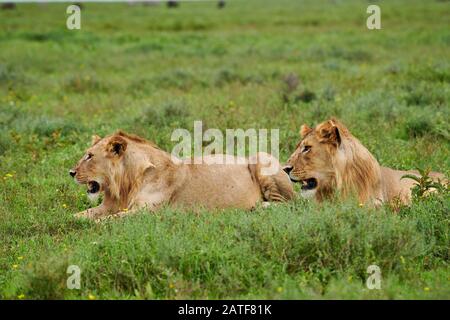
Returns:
(287,169)
(72,173)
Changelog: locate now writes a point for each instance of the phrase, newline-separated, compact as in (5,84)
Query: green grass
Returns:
(149,70)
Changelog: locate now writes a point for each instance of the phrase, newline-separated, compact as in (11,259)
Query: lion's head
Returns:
(328,158)
(113,165)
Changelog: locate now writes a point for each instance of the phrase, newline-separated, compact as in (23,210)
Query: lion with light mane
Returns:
(133,174)
(329,159)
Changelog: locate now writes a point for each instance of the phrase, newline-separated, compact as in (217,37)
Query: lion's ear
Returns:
(149,165)
(329,132)
(304,130)
(95,139)
(117,145)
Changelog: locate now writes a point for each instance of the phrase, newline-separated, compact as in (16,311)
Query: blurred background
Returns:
(154,66)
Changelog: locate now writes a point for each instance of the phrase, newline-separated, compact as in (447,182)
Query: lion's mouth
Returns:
(309,184)
(93,187)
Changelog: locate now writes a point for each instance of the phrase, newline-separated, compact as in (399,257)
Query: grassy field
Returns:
(149,70)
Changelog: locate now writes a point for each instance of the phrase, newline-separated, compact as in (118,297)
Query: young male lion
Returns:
(329,158)
(132,173)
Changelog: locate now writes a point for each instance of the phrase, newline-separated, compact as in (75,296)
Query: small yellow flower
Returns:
(64,205)
(21,296)
(15,266)
(91,297)
(171,285)
(19,258)
(426,289)
(125,209)
(9,175)
(280,289)
(361,205)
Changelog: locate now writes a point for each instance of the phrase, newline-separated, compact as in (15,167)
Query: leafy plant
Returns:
(425,184)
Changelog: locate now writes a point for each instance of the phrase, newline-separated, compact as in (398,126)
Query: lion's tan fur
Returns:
(134,173)
(341,163)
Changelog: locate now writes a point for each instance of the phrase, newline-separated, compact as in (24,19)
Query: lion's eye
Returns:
(89,156)
(306,149)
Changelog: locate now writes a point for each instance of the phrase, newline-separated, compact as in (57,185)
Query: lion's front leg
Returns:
(94,213)
(116,215)
(128,212)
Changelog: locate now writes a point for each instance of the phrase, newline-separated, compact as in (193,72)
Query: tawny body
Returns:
(216,186)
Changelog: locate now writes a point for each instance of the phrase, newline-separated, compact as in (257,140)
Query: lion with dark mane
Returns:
(134,174)
(329,159)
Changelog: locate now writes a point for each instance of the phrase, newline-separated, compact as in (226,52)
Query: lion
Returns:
(329,158)
(133,173)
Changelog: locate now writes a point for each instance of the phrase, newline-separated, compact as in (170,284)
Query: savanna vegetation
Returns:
(253,64)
